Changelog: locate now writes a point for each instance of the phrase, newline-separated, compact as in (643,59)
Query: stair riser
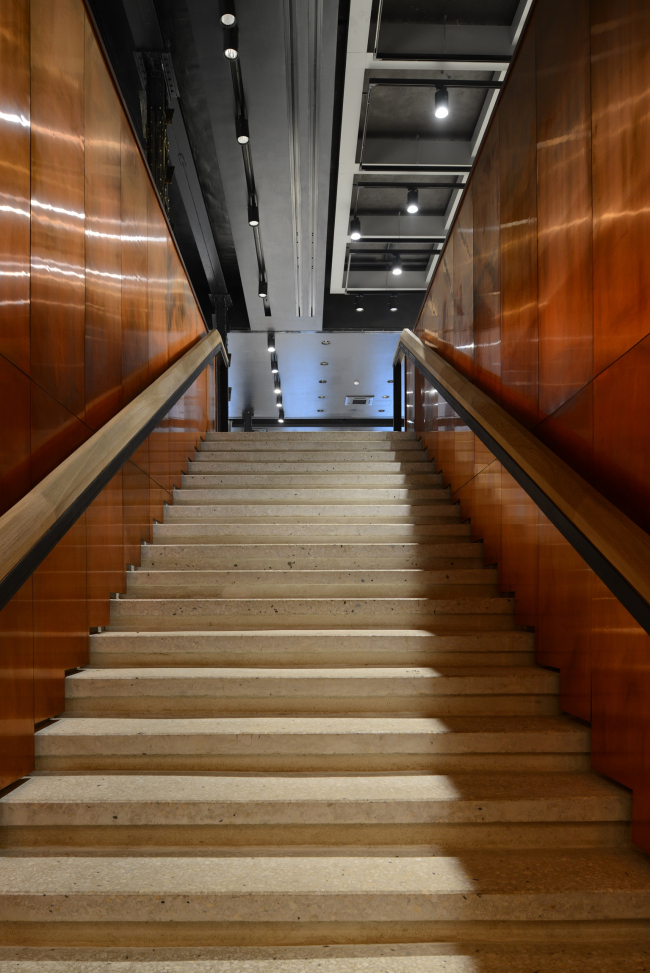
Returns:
(330,495)
(375,555)
(285,589)
(154,706)
(426,513)
(180,621)
(317,438)
(115,659)
(205,479)
(205,463)
(312,533)
(281,839)
(320,763)
(313,447)
(154,557)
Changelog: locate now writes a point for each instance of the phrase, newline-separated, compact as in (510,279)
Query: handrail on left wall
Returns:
(32,527)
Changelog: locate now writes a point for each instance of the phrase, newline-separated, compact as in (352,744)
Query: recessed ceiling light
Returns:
(320,410)
(322,381)
(356,383)
(321,396)
(382,410)
(324,363)
(385,396)
(325,342)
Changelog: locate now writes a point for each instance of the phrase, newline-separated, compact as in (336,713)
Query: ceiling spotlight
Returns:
(397,265)
(241,127)
(281,415)
(263,290)
(355,382)
(412,205)
(278,403)
(390,381)
(274,364)
(322,381)
(382,410)
(355,228)
(324,363)
(385,396)
(231,46)
(270,341)
(392,302)
(253,218)
(325,342)
(358,302)
(321,396)
(276,385)
(442,102)
(228,17)
(320,410)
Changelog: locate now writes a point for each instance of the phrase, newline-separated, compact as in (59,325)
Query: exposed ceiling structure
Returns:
(323,117)
(402,56)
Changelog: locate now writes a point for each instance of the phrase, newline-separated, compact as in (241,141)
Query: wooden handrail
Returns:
(613,545)
(33,526)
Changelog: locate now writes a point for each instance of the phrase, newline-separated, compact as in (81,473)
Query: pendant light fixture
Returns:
(241,127)
(262,290)
(355,228)
(392,302)
(412,204)
(228,16)
(358,302)
(231,45)
(441,102)
(270,341)
(397,265)
(253,215)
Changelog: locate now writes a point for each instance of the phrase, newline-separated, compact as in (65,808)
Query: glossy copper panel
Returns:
(60,619)
(57,223)
(486,517)
(103,333)
(104,551)
(14,182)
(463,287)
(563,201)
(564,622)
(14,435)
(569,432)
(136,515)
(17,687)
(622,433)
(517,169)
(519,543)
(620,93)
(135,187)
(158,256)
(55,433)
(487,264)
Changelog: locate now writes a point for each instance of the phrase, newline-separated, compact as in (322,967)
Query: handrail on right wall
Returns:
(613,546)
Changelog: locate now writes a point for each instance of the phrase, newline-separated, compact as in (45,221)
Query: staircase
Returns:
(314,741)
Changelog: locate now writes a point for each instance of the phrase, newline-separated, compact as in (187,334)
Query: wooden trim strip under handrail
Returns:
(34,525)
(611,544)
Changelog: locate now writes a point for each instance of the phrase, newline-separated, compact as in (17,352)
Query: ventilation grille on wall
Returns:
(359,399)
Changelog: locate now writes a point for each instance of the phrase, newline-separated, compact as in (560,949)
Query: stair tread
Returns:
(478,797)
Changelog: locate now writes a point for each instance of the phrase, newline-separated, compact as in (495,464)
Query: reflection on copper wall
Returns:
(552,240)
(94,305)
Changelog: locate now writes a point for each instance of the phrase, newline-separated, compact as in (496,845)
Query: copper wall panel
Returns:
(518,206)
(14,182)
(105,562)
(135,187)
(463,287)
(17,687)
(57,211)
(622,433)
(569,432)
(158,256)
(519,548)
(103,331)
(60,621)
(620,68)
(135,508)
(563,201)
(487,265)
(15,435)
(55,433)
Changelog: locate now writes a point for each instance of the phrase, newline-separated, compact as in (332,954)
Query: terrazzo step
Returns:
(200,691)
(298,583)
(299,648)
(240,453)
(604,953)
(284,744)
(441,556)
(425,512)
(314,496)
(475,811)
(240,530)
(286,445)
(206,463)
(264,900)
(348,436)
(444,614)
(204,479)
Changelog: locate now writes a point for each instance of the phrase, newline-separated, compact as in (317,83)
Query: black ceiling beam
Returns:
(408,185)
(383,167)
(422,238)
(432,83)
(401,250)
(468,58)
